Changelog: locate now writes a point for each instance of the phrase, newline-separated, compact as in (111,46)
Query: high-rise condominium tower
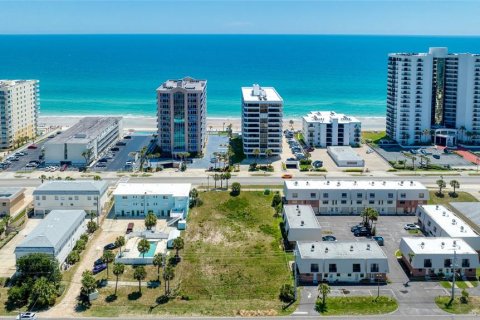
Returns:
(19,105)
(262,114)
(182,114)
(433,96)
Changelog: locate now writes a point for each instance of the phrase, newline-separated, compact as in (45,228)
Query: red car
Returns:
(32,146)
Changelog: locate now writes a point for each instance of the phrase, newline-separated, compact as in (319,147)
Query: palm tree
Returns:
(168,275)
(221,176)
(118,270)
(119,243)
(43,177)
(139,274)
(178,244)
(87,154)
(158,262)
(107,258)
(469,135)
(372,216)
(150,220)
(256,153)
(291,123)
(227,176)
(143,247)
(455,184)
(268,154)
(441,184)
(426,133)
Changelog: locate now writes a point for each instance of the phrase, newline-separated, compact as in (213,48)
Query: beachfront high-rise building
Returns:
(262,120)
(19,105)
(182,116)
(328,128)
(433,96)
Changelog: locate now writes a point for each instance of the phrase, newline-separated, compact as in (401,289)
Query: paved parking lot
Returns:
(215,143)
(32,154)
(136,143)
(437,157)
(389,227)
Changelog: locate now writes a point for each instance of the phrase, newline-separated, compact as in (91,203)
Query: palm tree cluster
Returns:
(369,215)
(21,141)
(442,184)
(220,177)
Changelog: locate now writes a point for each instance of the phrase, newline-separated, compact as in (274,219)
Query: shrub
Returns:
(287,293)
(84,237)
(464,297)
(236,188)
(80,245)
(73,257)
(266,192)
(91,226)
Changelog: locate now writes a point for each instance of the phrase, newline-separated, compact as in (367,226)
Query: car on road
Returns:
(103,160)
(115,149)
(14,158)
(127,137)
(369,151)
(27,315)
(356,227)
(19,154)
(362,232)
(99,268)
(379,240)
(287,176)
(329,238)
(110,246)
(299,156)
(51,136)
(121,143)
(411,226)
(101,165)
(32,146)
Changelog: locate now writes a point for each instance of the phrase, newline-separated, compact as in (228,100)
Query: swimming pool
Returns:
(150,253)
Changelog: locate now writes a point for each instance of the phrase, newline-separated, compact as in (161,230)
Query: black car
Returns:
(357,227)
(115,149)
(127,137)
(329,238)
(121,143)
(110,246)
(98,262)
(363,232)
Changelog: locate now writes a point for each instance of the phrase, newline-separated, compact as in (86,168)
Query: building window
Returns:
(56,197)
(44,198)
(389,202)
(390,196)
(294,195)
(427,263)
(421,195)
(434,229)
(37,197)
(314,267)
(403,195)
(312,195)
(447,263)
(76,197)
(332,267)
(359,195)
(465,263)
(325,195)
(344,201)
(344,195)
(90,198)
(371,201)
(325,201)
(359,201)
(374,267)
(429,223)
(372,195)
(356,267)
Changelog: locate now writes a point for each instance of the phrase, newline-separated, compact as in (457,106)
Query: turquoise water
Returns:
(150,253)
(118,74)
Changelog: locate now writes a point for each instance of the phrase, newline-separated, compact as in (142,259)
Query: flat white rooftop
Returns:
(440,245)
(186,83)
(452,224)
(340,250)
(328,117)
(260,94)
(13,83)
(85,130)
(344,153)
(175,189)
(301,217)
(348,185)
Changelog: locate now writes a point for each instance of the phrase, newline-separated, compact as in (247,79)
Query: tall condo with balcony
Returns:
(328,128)
(433,96)
(182,116)
(262,120)
(19,105)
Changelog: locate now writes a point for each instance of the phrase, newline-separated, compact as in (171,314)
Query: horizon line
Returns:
(242,34)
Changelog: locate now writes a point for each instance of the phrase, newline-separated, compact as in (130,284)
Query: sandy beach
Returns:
(215,124)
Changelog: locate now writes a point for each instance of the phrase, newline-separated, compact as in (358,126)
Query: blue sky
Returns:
(427,17)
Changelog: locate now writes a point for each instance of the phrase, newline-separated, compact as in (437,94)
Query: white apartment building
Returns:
(182,116)
(437,91)
(56,235)
(165,200)
(19,106)
(70,195)
(301,224)
(328,128)
(84,141)
(430,257)
(262,120)
(352,197)
(342,261)
(438,221)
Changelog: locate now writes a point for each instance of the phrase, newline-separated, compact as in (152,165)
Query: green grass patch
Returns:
(232,264)
(357,305)
(356,170)
(398,254)
(447,197)
(456,307)
(414,232)
(373,136)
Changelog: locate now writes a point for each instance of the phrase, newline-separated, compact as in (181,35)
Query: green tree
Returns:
(236,188)
(91,226)
(178,244)
(87,154)
(455,185)
(118,270)
(256,153)
(43,293)
(372,216)
(278,210)
(73,257)
(227,176)
(108,258)
(441,184)
(168,275)
(287,293)
(150,220)
(193,197)
(139,274)
(291,123)
(43,177)
(89,283)
(324,291)
(277,198)
(143,246)
(36,265)
(158,262)
(119,243)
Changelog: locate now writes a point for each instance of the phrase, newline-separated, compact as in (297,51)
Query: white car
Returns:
(27,315)
(411,226)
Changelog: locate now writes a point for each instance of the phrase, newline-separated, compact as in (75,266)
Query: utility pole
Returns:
(454,274)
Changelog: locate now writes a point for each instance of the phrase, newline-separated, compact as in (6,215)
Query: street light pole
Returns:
(453,280)
(378,286)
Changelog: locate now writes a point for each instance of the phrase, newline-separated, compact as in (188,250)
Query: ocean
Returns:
(118,74)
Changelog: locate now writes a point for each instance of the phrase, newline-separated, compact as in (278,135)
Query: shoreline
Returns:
(144,123)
